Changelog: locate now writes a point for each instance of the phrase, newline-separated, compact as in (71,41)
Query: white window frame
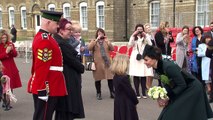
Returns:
(1,25)
(99,23)
(67,13)
(155,14)
(83,16)
(23,18)
(51,7)
(202,13)
(11,16)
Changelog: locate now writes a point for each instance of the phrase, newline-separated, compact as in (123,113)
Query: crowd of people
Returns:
(58,49)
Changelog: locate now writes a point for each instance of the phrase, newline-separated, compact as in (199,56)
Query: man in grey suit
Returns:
(210,33)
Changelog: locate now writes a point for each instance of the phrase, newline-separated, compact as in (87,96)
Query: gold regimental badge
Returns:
(44,55)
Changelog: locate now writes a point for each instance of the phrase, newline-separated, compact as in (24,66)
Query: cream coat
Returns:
(138,68)
(101,71)
(180,50)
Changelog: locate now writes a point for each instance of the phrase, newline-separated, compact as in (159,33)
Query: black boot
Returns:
(3,105)
(99,96)
(7,108)
(112,95)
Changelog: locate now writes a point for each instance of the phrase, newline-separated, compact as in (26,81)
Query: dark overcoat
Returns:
(72,104)
(125,100)
(14,33)
(188,100)
(159,38)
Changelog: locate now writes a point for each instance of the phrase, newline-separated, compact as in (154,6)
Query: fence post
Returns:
(26,52)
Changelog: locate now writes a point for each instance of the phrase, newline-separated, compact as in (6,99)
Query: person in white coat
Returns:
(137,68)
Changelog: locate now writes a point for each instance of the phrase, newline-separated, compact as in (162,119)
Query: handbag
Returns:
(138,56)
(90,66)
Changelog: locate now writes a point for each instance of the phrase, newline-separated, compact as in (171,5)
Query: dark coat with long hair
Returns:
(159,38)
(70,106)
(125,99)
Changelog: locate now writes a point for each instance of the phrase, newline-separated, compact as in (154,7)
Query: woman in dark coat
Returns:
(70,106)
(125,98)
(163,38)
(209,53)
(187,98)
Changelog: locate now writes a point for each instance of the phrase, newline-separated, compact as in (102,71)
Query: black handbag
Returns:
(138,56)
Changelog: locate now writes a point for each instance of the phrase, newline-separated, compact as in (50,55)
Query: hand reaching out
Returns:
(9,48)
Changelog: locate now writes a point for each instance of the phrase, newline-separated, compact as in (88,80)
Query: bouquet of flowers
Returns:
(157,92)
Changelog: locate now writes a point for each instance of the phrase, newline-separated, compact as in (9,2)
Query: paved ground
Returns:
(94,110)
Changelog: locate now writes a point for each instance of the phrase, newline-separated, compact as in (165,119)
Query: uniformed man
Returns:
(47,82)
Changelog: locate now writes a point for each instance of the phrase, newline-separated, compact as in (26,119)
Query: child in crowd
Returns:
(5,91)
(76,40)
(125,100)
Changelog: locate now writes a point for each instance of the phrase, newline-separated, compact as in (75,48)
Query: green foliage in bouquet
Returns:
(164,79)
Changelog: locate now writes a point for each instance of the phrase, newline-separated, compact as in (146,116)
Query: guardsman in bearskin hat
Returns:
(47,82)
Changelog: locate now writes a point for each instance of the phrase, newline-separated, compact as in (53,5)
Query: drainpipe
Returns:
(174,13)
(126,17)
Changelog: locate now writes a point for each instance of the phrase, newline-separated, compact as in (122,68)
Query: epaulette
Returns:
(44,36)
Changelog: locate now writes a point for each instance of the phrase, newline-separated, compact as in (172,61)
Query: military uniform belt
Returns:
(56,68)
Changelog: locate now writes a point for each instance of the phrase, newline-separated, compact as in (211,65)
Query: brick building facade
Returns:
(117,17)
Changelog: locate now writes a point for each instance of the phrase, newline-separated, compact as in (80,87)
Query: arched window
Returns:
(51,7)
(66,11)
(202,11)
(23,18)
(11,16)
(1,18)
(154,13)
(83,15)
(100,17)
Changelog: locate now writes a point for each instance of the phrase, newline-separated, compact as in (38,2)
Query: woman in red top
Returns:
(7,53)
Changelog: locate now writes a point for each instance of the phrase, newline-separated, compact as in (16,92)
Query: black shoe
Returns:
(3,105)
(112,95)
(210,100)
(99,96)
(7,108)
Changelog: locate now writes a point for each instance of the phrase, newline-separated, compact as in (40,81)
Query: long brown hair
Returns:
(136,27)
(99,30)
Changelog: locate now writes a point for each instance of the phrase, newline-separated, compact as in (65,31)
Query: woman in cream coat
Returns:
(182,41)
(137,68)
